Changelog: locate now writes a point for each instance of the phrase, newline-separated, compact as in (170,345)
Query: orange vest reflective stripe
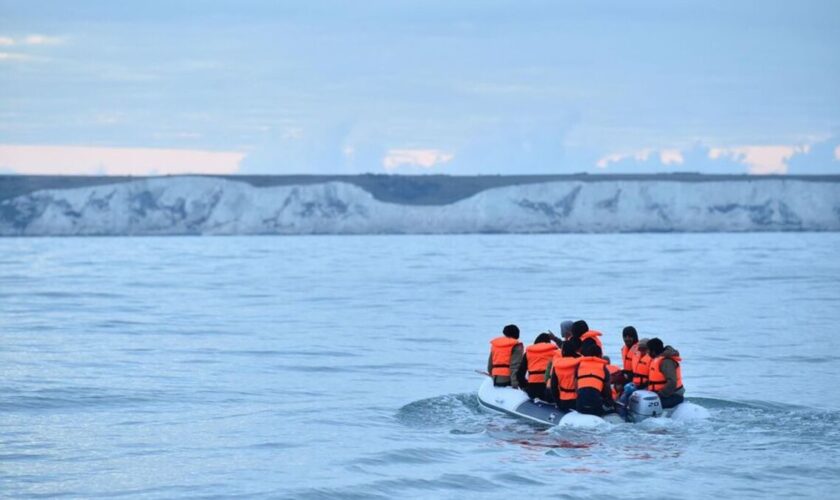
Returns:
(501,349)
(641,368)
(594,335)
(590,373)
(538,356)
(657,381)
(564,370)
(627,354)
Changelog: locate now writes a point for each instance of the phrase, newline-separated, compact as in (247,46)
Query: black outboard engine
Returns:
(642,405)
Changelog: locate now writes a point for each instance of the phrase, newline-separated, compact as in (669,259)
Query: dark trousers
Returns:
(567,404)
(672,400)
(589,401)
(536,390)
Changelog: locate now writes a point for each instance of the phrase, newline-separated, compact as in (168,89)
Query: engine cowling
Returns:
(642,405)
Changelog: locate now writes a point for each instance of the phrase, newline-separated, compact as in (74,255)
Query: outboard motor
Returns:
(642,405)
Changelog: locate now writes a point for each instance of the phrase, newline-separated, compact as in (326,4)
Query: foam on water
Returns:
(581,421)
(689,411)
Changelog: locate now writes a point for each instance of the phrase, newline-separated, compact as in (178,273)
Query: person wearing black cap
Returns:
(579,327)
(592,381)
(629,350)
(534,363)
(506,359)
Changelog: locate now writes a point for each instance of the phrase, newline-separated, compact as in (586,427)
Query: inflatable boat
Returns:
(516,403)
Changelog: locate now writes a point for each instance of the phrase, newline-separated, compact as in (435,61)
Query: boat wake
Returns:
(462,414)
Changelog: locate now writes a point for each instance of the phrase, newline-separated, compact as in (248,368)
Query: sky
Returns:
(410,87)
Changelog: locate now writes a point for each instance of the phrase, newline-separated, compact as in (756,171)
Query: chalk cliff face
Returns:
(205,205)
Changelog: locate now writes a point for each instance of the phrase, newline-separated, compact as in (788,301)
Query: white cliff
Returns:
(206,205)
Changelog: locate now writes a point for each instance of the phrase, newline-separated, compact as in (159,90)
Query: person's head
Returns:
(655,347)
(590,348)
(618,378)
(543,338)
(571,347)
(566,329)
(579,327)
(643,346)
(630,335)
(606,358)
(511,331)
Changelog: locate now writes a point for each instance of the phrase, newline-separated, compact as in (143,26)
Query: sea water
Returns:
(344,367)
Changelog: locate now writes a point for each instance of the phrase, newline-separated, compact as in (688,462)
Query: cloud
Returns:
(752,159)
(34,39)
(425,158)
(671,157)
(14,56)
(820,158)
(761,159)
(662,156)
(695,158)
(85,160)
(42,40)
(312,148)
(505,146)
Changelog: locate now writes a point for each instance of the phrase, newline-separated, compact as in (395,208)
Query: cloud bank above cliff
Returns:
(495,87)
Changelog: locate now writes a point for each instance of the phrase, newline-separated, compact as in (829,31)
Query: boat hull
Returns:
(516,403)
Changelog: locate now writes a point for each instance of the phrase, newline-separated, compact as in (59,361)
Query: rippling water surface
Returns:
(343,367)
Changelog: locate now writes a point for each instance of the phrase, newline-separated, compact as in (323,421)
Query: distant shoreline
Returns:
(436,189)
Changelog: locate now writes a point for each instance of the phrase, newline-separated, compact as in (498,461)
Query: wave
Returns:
(461,413)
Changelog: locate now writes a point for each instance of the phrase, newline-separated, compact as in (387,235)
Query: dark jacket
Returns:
(669,369)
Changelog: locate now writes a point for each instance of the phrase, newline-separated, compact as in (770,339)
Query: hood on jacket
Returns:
(670,352)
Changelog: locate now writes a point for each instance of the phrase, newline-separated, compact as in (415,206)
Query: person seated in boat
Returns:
(665,375)
(617,379)
(641,365)
(565,336)
(581,331)
(579,327)
(592,381)
(505,359)
(566,330)
(629,349)
(537,356)
(560,375)
(593,335)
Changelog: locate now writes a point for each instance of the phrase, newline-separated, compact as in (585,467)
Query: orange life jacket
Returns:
(641,368)
(657,380)
(590,373)
(564,369)
(613,370)
(501,349)
(627,354)
(538,356)
(594,335)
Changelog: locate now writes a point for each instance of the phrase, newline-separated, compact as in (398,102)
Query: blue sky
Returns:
(490,87)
